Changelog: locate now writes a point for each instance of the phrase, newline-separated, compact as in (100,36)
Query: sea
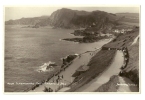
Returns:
(26,49)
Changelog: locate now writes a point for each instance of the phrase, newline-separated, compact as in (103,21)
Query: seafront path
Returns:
(104,77)
(83,59)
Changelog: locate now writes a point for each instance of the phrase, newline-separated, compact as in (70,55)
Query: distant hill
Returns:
(27,21)
(129,15)
(129,18)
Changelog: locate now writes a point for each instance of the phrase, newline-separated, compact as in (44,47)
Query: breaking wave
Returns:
(47,67)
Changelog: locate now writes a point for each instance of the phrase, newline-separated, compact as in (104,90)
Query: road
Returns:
(135,40)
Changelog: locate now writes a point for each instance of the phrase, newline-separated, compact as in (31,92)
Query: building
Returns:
(122,30)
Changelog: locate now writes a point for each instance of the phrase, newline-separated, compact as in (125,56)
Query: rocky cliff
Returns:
(68,18)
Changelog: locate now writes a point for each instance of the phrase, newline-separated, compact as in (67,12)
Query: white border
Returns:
(73,3)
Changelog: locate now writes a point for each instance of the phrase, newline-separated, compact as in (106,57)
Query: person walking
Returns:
(57,81)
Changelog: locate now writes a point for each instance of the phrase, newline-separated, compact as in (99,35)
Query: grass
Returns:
(97,64)
(110,86)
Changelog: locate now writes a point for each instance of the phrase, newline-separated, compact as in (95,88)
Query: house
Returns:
(119,31)
(122,30)
(80,70)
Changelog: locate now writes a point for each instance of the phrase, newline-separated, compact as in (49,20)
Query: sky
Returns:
(19,12)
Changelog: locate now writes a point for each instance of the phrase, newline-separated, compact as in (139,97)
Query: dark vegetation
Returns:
(86,39)
(68,59)
(85,32)
(48,90)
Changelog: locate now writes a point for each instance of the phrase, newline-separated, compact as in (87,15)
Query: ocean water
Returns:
(28,48)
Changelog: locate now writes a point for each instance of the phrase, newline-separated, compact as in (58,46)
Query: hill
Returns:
(68,18)
(129,18)
(27,21)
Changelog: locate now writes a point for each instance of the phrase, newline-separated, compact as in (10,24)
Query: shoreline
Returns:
(57,72)
(84,38)
(42,83)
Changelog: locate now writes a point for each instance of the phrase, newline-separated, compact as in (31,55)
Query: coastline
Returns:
(43,83)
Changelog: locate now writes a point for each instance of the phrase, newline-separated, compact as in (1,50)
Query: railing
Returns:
(126,58)
(58,72)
